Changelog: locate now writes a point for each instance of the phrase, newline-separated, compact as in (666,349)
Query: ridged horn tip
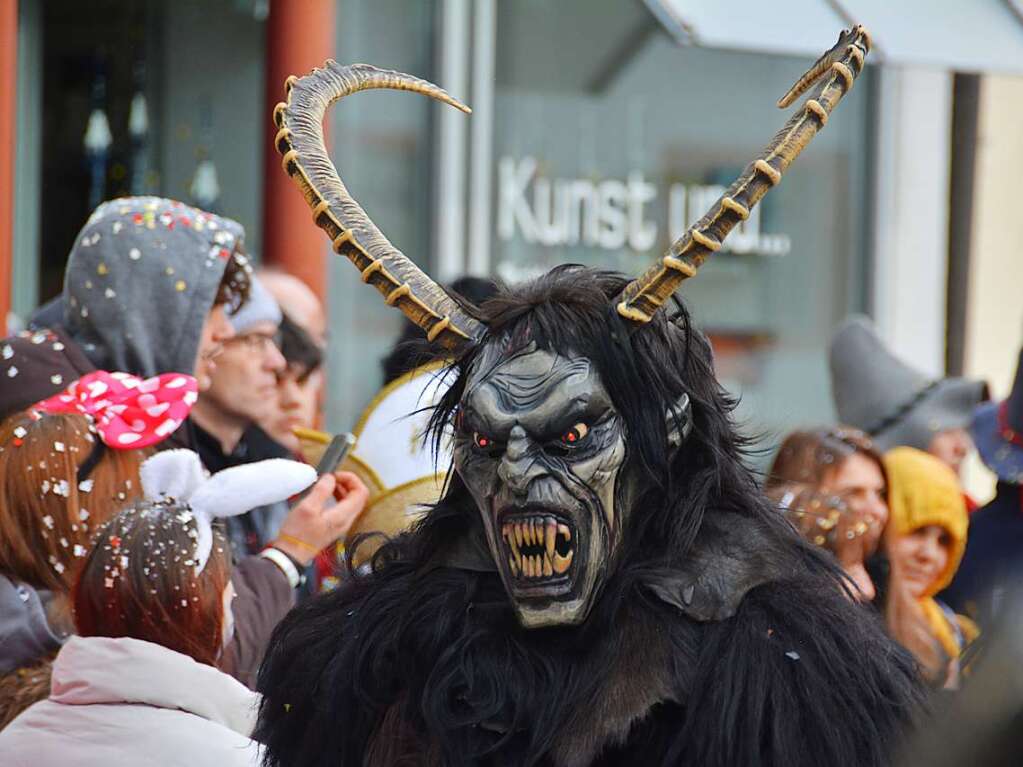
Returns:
(856,38)
(828,80)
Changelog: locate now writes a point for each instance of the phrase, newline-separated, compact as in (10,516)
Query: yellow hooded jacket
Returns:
(923,491)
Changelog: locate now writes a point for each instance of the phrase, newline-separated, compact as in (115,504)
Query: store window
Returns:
(150,97)
(610,140)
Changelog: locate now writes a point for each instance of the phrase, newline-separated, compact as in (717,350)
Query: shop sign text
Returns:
(611,214)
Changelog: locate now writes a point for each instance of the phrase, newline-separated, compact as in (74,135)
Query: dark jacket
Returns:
(993,562)
(264,597)
(25,631)
(28,644)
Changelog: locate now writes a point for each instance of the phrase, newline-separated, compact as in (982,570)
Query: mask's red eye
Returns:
(481,441)
(575,435)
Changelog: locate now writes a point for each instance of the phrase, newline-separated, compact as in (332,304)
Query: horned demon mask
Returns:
(539,443)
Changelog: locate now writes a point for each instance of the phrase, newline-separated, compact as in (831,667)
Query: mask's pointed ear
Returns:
(680,421)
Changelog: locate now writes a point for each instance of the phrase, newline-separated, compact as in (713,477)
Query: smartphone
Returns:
(335,453)
(332,458)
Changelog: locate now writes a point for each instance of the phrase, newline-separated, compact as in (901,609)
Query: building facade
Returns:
(601,129)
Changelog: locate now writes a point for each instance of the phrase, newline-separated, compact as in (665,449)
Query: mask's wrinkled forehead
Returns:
(538,388)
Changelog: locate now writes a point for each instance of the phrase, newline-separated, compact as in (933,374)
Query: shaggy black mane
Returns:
(421,663)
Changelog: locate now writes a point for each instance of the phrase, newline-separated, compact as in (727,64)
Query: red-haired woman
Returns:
(51,502)
(68,463)
(152,609)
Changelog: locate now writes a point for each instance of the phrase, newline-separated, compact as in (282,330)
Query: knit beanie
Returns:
(261,307)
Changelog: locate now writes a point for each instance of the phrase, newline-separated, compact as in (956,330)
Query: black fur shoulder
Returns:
(432,669)
(799,675)
(719,637)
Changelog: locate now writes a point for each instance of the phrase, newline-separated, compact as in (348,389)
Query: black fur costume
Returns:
(719,637)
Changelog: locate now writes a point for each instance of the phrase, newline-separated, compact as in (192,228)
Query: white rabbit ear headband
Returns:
(178,476)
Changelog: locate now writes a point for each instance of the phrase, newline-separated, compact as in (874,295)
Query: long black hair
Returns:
(421,662)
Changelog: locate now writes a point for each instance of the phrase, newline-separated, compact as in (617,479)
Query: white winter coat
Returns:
(127,702)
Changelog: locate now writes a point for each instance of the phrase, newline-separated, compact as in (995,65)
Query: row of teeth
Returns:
(543,531)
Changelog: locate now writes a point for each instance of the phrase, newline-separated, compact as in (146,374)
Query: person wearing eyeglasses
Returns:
(226,433)
(242,386)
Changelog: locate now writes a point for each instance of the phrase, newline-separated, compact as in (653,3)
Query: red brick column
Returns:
(300,36)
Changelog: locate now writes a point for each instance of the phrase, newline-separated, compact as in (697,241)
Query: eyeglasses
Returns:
(259,343)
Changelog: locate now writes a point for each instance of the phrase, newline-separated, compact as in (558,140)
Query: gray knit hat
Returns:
(261,307)
(895,404)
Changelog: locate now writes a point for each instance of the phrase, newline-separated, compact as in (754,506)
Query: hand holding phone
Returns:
(335,453)
(314,522)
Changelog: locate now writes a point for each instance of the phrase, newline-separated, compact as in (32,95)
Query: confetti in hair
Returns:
(177,476)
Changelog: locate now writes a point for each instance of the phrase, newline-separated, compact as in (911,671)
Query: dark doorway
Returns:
(96,55)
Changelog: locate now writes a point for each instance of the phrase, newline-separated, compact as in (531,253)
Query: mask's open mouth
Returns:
(540,548)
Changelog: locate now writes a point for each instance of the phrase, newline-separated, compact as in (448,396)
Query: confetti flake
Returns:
(8,352)
(59,447)
(57,379)
(12,371)
(20,432)
(85,486)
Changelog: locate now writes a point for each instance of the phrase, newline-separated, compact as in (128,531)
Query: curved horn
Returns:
(837,69)
(355,236)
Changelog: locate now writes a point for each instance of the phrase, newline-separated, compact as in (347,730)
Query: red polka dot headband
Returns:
(128,412)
